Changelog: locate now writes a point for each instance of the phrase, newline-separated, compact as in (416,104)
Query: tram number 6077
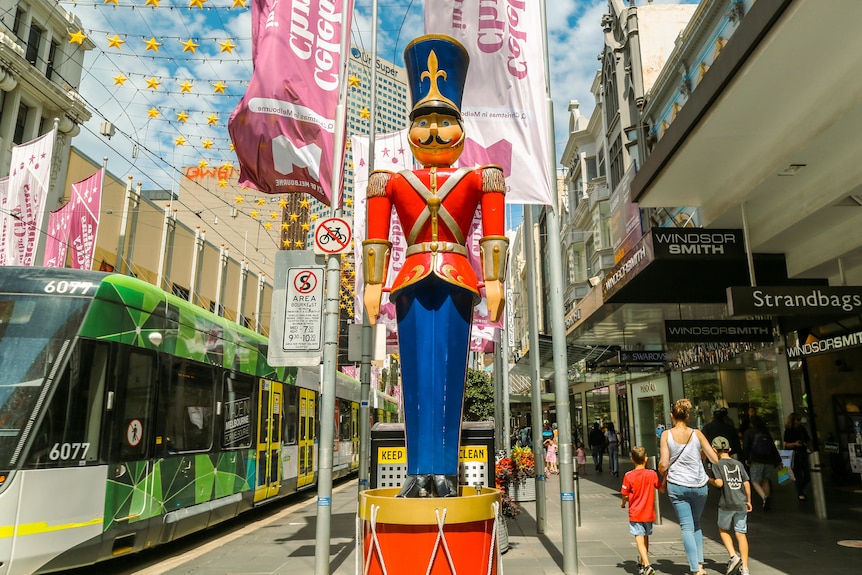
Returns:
(67,451)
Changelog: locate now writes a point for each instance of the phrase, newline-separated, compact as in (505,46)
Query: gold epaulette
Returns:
(377,184)
(493,180)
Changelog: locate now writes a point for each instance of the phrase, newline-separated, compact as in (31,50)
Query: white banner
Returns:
(22,202)
(504,106)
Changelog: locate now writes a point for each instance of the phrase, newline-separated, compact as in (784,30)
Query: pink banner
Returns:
(283,130)
(84,225)
(57,238)
(505,107)
(22,201)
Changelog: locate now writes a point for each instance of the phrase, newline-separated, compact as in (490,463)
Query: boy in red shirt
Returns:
(638,489)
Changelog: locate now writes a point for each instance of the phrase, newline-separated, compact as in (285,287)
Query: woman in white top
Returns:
(681,462)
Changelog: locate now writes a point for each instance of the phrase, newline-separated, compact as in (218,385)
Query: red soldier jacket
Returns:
(436,208)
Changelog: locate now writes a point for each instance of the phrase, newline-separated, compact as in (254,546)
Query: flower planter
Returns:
(524,490)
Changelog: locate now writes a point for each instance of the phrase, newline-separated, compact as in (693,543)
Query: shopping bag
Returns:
(785,475)
(786,457)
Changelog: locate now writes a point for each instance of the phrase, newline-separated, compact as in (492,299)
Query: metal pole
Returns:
(504,380)
(535,370)
(558,330)
(748,253)
(651,464)
(123,223)
(367,330)
(330,339)
(194,271)
(240,296)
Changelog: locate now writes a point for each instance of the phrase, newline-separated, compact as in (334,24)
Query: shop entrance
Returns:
(651,412)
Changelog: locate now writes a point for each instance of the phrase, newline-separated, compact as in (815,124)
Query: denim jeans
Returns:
(688,502)
(614,457)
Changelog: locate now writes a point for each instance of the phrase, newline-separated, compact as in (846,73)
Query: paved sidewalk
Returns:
(787,540)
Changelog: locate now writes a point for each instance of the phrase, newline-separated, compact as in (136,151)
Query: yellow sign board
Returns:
(398,455)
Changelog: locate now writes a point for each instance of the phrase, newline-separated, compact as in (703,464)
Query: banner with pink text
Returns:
(22,202)
(504,107)
(284,129)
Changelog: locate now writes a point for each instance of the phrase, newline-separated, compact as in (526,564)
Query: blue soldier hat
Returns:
(436,73)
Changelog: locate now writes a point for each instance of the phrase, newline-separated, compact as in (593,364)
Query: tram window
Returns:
(69,432)
(188,402)
(291,416)
(238,417)
(344,425)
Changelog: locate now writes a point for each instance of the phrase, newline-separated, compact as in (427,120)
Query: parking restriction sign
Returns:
(303,310)
(332,236)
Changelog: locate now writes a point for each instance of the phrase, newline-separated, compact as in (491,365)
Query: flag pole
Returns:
(330,329)
(367,331)
(557,313)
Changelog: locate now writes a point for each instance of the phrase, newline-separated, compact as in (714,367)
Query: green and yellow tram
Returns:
(130,417)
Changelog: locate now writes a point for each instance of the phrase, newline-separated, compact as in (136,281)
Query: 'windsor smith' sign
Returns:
(704,330)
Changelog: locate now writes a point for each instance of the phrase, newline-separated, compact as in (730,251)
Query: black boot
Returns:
(415,486)
(446,485)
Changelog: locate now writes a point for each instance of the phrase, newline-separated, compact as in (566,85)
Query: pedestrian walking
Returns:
(597,445)
(796,438)
(680,462)
(551,457)
(638,489)
(734,505)
(582,459)
(762,458)
(612,441)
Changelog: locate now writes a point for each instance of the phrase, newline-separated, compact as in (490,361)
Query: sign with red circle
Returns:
(332,236)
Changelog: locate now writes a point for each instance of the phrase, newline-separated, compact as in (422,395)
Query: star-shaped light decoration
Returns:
(219,87)
(239,3)
(207,144)
(231,147)
(212,119)
(186,87)
(273,215)
(268,225)
(298,243)
(303,203)
(228,46)
(261,202)
(353,81)
(153,83)
(182,116)
(114,2)
(348,202)
(313,217)
(294,216)
(364,114)
(115,42)
(282,203)
(152,44)
(286,243)
(222,183)
(77,37)
(153,3)
(285,226)
(180,141)
(152,113)
(120,79)
(305,226)
(238,200)
(190,46)
(203,164)
(254,213)
(198,3)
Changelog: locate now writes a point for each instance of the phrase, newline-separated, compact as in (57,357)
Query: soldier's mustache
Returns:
(432,138)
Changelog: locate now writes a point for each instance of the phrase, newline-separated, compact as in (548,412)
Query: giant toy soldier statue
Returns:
(436,289)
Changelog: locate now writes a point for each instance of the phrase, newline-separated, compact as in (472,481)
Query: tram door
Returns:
(307,418)
(269,426)
(354,435)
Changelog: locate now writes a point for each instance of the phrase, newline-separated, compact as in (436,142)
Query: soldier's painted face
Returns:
(436,139)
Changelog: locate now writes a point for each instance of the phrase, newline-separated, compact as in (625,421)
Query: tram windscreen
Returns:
(33,329)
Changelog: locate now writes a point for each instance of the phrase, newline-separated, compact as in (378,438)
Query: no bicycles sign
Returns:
(332,236)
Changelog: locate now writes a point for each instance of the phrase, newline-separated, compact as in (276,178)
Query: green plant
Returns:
(478,396)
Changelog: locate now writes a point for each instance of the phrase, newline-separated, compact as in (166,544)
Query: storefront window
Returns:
(578,420)
(598,405)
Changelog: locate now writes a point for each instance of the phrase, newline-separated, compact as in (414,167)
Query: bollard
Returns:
(817,485)
(578,498)
(651,464)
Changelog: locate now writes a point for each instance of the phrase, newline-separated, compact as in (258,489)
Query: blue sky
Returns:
(203,61)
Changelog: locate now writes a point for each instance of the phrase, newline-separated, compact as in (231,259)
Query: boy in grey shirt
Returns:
(729,475)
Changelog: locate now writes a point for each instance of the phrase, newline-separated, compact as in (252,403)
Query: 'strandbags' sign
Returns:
(794,300)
